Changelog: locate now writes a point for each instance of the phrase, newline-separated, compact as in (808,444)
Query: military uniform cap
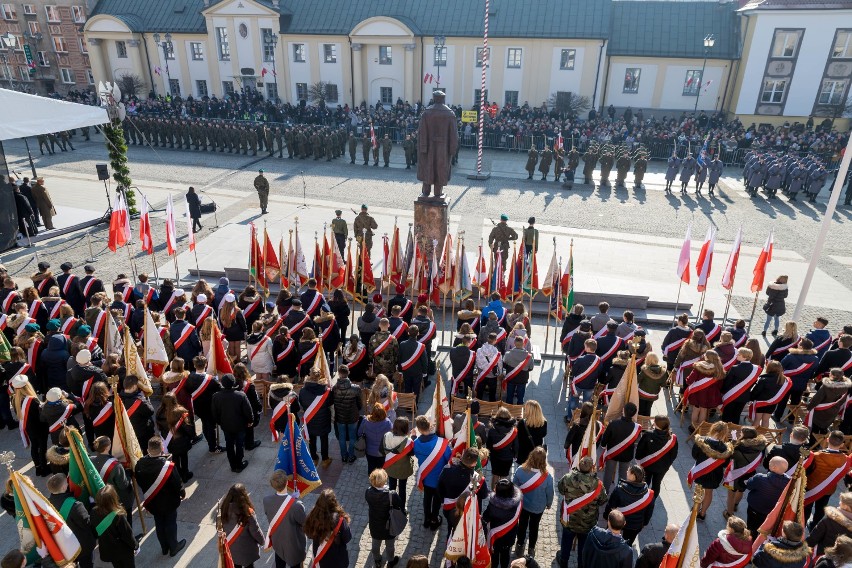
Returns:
(504,217)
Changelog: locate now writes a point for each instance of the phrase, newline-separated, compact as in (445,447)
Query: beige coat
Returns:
(44,204)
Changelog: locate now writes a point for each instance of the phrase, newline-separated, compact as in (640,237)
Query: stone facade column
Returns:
(409,75)
(139,62)
(98,60)
(357,75)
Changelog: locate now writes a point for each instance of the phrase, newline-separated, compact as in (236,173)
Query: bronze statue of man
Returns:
(437,142)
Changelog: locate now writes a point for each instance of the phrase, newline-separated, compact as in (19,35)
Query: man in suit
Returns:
(75,514)
(184,337)
(286,535)
(232,412)
(70,290)
(139,410)
(413,362)
(160,482)
(201,387)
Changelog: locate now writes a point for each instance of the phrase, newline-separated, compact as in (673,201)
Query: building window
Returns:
(831,92)
(78,14)
(786,43)
(223,46)
(170,50)
(59,44)
(773,91)
(329,51)
(477,93)
(52,13)
(692,83)
(271,91)
(174,87)
(440,56)
(197,50)
(566,62)
(42,59)
(228,87)
(267,49)
(67,75)
(201,88)
(842,45)
(514,60)
(9,12)
(511,98)
(386,95)
(331,93)
(29,10)
(298,52)
(81,42)
(34,27)
(479,52)
(301,91)
(121,49)
(631,79)
(90,77)
(385,55)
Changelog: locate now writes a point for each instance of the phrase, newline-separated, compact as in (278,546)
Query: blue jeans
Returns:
(768,318)
(513,390)
(584,394)
(346,436)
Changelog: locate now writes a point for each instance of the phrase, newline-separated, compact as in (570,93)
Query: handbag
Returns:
(361,446)
(397,521)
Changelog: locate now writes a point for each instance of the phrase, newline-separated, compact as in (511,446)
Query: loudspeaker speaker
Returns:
(103,172)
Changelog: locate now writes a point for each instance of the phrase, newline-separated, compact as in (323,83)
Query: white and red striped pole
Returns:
(485,57)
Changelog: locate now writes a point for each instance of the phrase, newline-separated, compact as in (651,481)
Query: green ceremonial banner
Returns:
(84,480)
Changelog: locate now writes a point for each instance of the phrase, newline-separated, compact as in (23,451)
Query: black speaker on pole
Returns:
(103,172)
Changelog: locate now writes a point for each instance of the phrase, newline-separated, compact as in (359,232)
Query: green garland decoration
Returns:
(117,149)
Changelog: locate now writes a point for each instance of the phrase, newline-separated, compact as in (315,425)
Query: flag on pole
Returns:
(113,343)
(531,274)
(567,282)
(513,282)
(171,233)
(445,267)
(321,366)
(155,349)
(705,259)
(760,267)
(218,363)
(684,551)
(685,252)
(125,445)
(298,267)
(395,257)
(336,265)
(5,349)
(145,240)
(433,283)
(318,271)
(468,538)
(626,391)
(40,525)
(589,444)
(84,480)
(350,285)
(733,259)
(283,263)
(702,154)
(294,459)
(439,411)
(462,286)
(271,265)
(119,224)
(790,507)
(551,279)
(480,272)
(256,258)
(226,560)
(367,277)
(373,141)
(190,233)
(466,437)
(559,142)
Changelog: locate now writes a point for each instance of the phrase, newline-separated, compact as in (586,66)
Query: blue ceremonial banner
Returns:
(702,155)
(294,450)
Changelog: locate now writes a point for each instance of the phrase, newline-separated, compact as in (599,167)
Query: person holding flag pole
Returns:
(146,242)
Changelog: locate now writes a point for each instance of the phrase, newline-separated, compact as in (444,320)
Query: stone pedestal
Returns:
(431,217)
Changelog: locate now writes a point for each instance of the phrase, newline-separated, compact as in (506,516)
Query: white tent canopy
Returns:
(23,115)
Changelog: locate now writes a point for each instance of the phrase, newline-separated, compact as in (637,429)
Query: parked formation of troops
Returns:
(791,174)
(608,155)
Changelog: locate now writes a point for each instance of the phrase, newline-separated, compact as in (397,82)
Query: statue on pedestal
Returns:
(437,142)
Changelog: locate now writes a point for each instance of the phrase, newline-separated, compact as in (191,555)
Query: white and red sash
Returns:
(34,308)
(533,482)
(309,354)
(205,313)
(741,562)
(4,321)
(315,302)
(277,520)
(390,402)
(575,505)
(403,309)
(100,321)
(805,465)
(149,295)
(87,386)
(279,411)
(418,352)
(502,530)
(828,485)
(741,341)
(393,457)
(257,348)
(732,474)
(205,382)
(400,330)
(88,287)
(103,415)
(638,505)
(501,335)
(235,533)
(471,359)
(648,396)
(184,335)
(620,447)
(431,461)
(489,369)
(584,374)
(714,331)
(250,309)
(127,294)
(131,410)
(430,333)
(54,311)
(612,350)
(728,365)
(175,295)
(679,376)
(60,422)
(43,282)
(658,455)
(299,324)
(507,440)
(325,332)
(68,281)
(326,544)
(803,368)
(809,418)
(742,387)
(32,353)
(383,345)
(24,418)
(698,386)
(567,339)
(158,484)
(91,343)
(702,469)
(107,468)
(755,406)
(68,325)
(23,327)
(516,370)
(601,332)
(823,345)
(359,356)
(315,405)
(127,311)
(286,352)
(784,348)
(674,345)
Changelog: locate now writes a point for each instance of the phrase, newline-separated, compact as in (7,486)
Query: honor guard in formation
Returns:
(791,174)
(532,158)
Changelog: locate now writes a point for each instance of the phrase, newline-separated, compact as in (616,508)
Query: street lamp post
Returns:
(709,41)
(271,39)
(440,41)
(9,42)
(167,47)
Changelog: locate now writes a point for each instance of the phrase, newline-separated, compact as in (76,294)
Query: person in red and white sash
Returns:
(532,430)
(771,387)
(689,354)
(246,383)
(468,314)
(382,392)
(614,374)
(711,454)
(571,325)
(582,496)
(398,449)
(488,367)
(91,284)
(98,408)
(201,387)
(786,551)
(840,357)
(432,453)
(584,373)
(454,481)
(830,400)
(726,349)
(327,525)
(656,451)
(286,515)
(316,400)
(517,364)
(737,385)
(328,331)
(180,434)
(519,331)
(764,490)
(536,485)
(69,289)
(184,337)
(748,455)
(163,492)
(283,401)
(260,353)
(837,522)
(58,411)
(618,444)
(651,555)
(635,500)
(33,431)
(704,387)
(44,280)
(837,555)
(413,362)
(800,366)
(357,359)
(239,523)
(234,325)
(250,304)
(712,330)
(652,377)
(297,320)
(462,363)
(825,472)
(492,325)
(573,341)
(609,344)
(500,521)
(502,442)
(577,429)
(83,339)
(35,307)
(739,333)
(782,344)
(732,546)
(112,472)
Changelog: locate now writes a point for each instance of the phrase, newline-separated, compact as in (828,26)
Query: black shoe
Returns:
(165,551)
(180,546)
(774,332)
(241,467)
(763,333)
(393,562)
(255,444)
(217,450)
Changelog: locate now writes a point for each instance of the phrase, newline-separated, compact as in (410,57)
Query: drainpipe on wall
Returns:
(148,60)
(422,68)
(351,73)
(598,74)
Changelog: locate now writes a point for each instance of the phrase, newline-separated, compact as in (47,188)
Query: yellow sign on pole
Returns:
(469,116)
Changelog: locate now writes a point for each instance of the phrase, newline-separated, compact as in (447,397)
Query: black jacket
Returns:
(320,424)
(378,510)
(835,358)
(606,550)
(652,441)
(77,519)
(627,493)
(347,402)
(190,347)
(285,363)
(781,553)
(169,497)
(500,427)
(454,481)
(194,202)
(79,374)
(141,415)
(652,554)
(835,523)
(501,510)
(203,405)
(117,543)
(231,410)
(720,450)
(789,451)
(420,367)
(617,431)
(52,362)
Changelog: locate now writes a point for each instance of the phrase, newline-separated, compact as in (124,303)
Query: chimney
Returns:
(275,4)
(206,4)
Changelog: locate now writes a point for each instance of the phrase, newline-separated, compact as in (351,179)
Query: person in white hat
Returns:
(200,311)
(33,431)
(58,411)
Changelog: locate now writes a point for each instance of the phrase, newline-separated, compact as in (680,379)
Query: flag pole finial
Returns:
(6,458)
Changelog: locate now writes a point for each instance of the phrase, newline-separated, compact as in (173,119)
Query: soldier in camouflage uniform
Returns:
(387,146)
(590,160)
(501,234)
(42,144)
(622,166)
(353,147)
(532,158)
(365,149)
(408,148)
(279,139)
(607,161)
(316,144)
(290,139)
(340,230)
(640,166)
(546,160)
(375,153)
(252,141)
(302,141)
(364,221)
(329,145)
(386,361)
(261,184)
(559,157)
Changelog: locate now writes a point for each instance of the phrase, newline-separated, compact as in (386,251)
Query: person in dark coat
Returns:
(651,555)
(139,410)
(232,411)
(632,490)
(748,453)
(70,290)
(327,521)
(380,501)
(288,537)
(837,556)
(165,502)
(502,442)
(617,431)
(503,505)
(26,214)
(653,441)
(184,337)
(606,548)
(764,489)
(237,510)
(109,521)
(75,514)
(319,422)
(113,473)
(414,367)
(347,402)
(454,480)
(202,387)
(775,307)
(194,209)
(737,385)
(788,551)
(53,363)
(836,522)
(713,446)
